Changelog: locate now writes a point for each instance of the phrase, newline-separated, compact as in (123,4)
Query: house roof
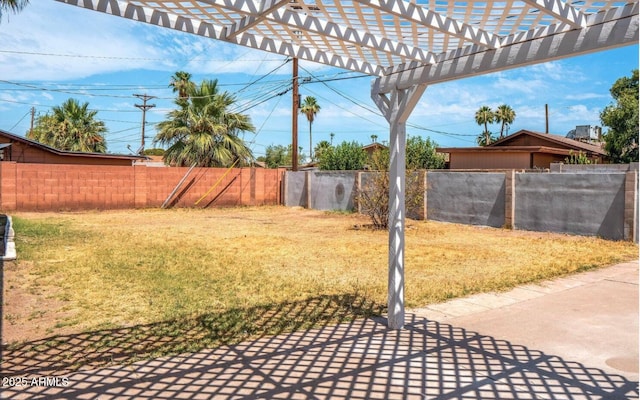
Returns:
(556,139)
(15,138)
(557,145)
(374,146)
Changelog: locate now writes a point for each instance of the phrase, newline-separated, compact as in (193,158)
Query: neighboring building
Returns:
(22,150)
(521,150)
(373,147)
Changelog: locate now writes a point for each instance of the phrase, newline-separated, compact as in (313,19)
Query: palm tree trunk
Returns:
(310,145)
(486,134)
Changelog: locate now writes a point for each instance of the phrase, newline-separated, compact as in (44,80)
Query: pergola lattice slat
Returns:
(537,47)
(396,33)
(560,10)
(202,28)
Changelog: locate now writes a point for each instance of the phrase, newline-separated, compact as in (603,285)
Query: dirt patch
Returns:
(30,308)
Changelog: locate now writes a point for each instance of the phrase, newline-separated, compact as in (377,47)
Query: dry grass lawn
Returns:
(224,275)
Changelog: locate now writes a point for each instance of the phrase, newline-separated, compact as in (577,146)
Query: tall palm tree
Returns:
(505,116)
(14,6)
(484,116)
(182,84)
(202,130)
(310,108)
(72,127)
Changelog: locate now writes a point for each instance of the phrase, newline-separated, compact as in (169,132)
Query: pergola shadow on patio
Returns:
(363,359)
(404,45)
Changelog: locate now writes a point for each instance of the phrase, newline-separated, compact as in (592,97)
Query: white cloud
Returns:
(586,96)
(45,46)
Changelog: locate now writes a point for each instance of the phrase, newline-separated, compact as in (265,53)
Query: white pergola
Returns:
(404,45)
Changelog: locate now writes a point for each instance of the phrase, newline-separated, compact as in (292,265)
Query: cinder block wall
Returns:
(42,187)
(600,203)
(466,198)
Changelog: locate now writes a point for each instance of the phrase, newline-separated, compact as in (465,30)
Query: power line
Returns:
(31,53)
(359,104)
(23,117)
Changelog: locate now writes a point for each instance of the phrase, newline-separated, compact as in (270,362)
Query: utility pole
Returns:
(294,118)
(546,118)
(144,107)
(33,116)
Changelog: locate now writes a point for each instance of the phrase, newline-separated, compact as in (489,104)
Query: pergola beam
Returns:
(245,23)
(429,19)
(197,27)
(365,39)
(308,23)
(561,11)
(620,28)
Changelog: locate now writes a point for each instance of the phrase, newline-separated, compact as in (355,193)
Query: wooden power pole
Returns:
(144,107)
(546,118)
(33,117)
(294,117)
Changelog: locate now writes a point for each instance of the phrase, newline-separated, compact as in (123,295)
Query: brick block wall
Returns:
(46,187)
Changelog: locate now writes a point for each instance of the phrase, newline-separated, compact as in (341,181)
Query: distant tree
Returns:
(14,6)
(421,154)
(345,156)
(310,108)
(332,135)
(320,148)
(277,156)
(71,127)
(621,117)
(181,83)
(484,140)
(374,138)
(485,116)
(203,132)
(154,152)
(505,116)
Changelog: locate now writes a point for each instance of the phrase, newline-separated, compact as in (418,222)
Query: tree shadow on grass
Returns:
(67,353)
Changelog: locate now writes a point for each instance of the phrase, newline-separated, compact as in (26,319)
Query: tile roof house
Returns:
(19,149)
(522,150)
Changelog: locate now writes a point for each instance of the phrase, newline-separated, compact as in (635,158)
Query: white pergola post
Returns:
(396,106)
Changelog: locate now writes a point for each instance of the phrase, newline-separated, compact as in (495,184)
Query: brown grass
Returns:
(105,270)
(124,267)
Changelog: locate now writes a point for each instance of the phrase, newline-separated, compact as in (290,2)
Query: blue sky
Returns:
(51,52)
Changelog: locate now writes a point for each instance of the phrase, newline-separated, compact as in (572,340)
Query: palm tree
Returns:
(203,132)
(182,84)
(14,6)
(72,127)
(320,148)
(483,140)
(310,108)
(374,138)
(484,116)
(504,115)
